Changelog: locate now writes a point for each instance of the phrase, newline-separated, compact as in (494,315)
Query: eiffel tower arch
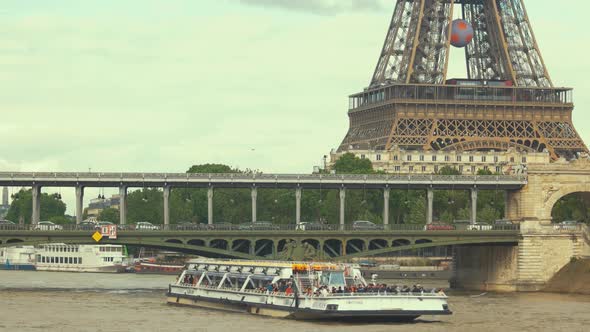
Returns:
(507,102)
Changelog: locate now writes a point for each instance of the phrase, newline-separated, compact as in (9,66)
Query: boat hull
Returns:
(18,267)
(310,314)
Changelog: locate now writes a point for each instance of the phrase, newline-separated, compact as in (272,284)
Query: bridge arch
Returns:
(197,242)
(174,241)
(333,247)
(241,245)
(219,244)
(400,243)
(14,241)
(264,247)
(554,195)
(313,242)
(283,243)
(355,245)
(423,241)
(378,244)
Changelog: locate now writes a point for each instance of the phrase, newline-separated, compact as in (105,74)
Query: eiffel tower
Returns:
(507,101)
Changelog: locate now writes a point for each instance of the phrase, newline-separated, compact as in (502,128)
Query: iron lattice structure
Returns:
(410,103)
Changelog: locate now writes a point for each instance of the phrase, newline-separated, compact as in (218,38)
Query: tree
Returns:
(348,163)
(22,207)
(109,214)
(448,170)
(482,171)
(212,168)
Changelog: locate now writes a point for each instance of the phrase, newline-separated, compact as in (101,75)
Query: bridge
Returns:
(254,182)
(522,258)
(286,242)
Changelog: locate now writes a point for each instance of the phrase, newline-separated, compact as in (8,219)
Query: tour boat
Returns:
(17,258)
(303,291)
(81,258)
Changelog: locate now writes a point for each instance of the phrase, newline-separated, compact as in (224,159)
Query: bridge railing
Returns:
(254,227)
(180,177)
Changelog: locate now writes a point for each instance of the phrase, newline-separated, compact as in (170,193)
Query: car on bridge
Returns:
(145,226)
(566,225)
(258,226)
(363,225)
(439,226)
(480,226)
(313,226)
(86,226)
(503,225)
(222,226)
(188,226)
(7,225)
(47,226)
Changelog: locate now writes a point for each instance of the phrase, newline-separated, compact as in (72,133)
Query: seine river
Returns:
(46,301)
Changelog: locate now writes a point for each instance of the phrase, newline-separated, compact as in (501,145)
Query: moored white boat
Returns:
(80,258)
(306,291)
(17,258)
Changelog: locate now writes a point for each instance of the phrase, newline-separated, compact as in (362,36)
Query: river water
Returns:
(49,301)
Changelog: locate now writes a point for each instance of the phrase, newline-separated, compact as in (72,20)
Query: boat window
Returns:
(79,260)
(61,260)
(70,260)
(75,260)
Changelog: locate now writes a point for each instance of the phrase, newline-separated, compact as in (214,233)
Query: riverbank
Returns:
(574,278)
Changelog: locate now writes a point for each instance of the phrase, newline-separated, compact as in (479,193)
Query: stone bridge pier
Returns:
(543,248)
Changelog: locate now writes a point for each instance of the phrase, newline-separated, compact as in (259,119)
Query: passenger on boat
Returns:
(289,290)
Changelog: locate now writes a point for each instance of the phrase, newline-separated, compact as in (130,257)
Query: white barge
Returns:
(305,291)
(59,257)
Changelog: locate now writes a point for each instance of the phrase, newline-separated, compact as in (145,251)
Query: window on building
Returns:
(470,159)
(435,168)
(398,168)
(423,169)
(378,157)
(459,158)
(486,168)
(473,169)
(422,158)
(447,158)
(484,159)
(496,159)
(409,158)
(524,160)
(61,260)
(395,158)
(511,159)
(75,260)
(461,169)
(79,260)
(411,168)
(433,158)
(498,169)
(362,156)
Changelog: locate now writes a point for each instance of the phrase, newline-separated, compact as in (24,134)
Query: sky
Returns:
(160,85)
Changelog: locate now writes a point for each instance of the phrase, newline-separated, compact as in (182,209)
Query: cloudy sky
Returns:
(159,85)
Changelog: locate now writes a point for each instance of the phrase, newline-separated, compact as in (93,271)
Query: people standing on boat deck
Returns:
(289,290)
(191,280)
(269,288)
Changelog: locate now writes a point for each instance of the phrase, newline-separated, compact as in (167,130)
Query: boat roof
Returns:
(276,264)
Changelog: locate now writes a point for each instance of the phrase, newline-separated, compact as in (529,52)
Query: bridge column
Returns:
(474,205)
(430,199)
(342,206)
(386,193)
(210,205)
(122,205)
(79,204)
(166,196)
(254,194)
(36,215)
(298,205)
